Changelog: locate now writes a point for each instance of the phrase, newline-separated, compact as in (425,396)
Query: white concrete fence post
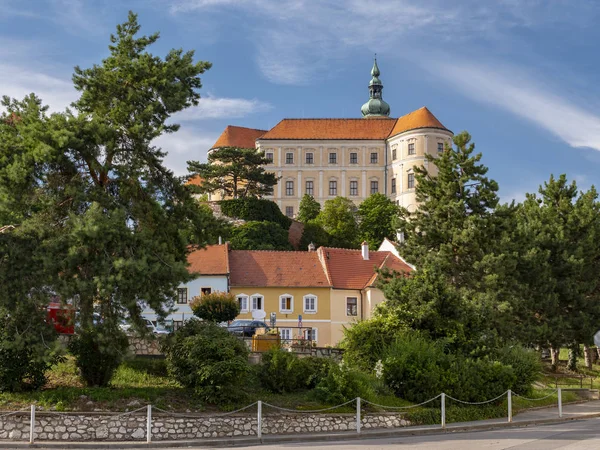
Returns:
(259,420)
(509,405)
(32,425)
(149,425)
(559,402)
(443,410)
(358,418)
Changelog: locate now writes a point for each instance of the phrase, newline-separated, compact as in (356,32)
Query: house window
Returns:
(333,187)
(182,296)
(310,304)
(411,180)
(243,302)
(285,334)
(353,188)
(311,335)
(393,154)
(309,187)
(353,158)
(374,187)
(440,147)
(286,304)
(333,158)
(289,158)
(257,302)
(205,291)
(373,158)
(289,211)
(351,306)
(269,157)
(289,188)
(411,148)
(309,158)
(393,185)
(177,324)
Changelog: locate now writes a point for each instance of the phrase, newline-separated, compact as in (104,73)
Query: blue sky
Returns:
(519,75)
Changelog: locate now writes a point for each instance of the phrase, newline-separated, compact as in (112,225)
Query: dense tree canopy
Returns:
(338,219)
(308,209)
(377,218)
(234,172)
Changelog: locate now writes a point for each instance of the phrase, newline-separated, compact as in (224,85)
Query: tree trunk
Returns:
(554,352)
(587,354)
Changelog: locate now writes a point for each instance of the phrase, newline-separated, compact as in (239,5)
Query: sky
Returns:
(519,75)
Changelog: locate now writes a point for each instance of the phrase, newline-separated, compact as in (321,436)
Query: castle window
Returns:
(394,154)
(309,187)
(333,187)
(411,148)
(393,185)
(289,211)
(440,147)
(353,158)
(289,158)
(411,180)
(373,158)
(333,158)
(269,157)
(374,187)
(309,158)
(289,188)
(353,188)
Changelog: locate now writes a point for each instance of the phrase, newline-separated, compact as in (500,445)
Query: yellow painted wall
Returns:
(339,316)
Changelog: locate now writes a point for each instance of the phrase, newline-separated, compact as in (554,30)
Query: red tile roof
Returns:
(238,137)
(347,269)
(421,118)
(330,129)
(211,260)
(194,181)
(263,268)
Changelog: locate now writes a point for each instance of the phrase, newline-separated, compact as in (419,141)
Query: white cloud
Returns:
(520,94)
(223,108)
(187,144)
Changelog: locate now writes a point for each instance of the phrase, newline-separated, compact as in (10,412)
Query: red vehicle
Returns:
(62,317)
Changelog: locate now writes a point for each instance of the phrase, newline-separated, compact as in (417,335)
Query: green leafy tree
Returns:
(338,219)
(309,209)
(236,172)
(377,216)
(215,307)
(259,236)
(111,219)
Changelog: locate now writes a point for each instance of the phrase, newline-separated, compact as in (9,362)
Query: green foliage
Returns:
(282,371)
(259,236)
(526,365)
(99,351)
(236,172)
(255,210)
(377,216)
(208,359)
(216,307)
(343,384)
(27,348)
(315,234)
(338,219)
(309,209)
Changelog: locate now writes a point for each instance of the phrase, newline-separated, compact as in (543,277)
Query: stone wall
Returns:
(144,347)
(130,427)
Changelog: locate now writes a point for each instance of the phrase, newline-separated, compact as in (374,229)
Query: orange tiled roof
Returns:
(238,137)
(330,129)
(262,268)
(211,260)
(421,118)
(347,269)
(194,181)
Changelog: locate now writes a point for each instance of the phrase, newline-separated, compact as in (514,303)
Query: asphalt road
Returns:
(577,435)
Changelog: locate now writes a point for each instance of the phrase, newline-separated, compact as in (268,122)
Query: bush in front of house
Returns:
(28,347)
(206,358)
(259,236)
(525,362)
(343,384)
(99,350)
(215,307)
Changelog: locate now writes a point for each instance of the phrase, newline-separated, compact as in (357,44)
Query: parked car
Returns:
(154,329)
(246,327)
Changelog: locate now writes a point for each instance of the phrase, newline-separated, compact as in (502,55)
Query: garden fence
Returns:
(258,418)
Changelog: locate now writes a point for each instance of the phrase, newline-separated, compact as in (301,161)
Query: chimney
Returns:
(311,247)
(220,241)
(365,250)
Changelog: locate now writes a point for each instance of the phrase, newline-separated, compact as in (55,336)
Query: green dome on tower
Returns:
(375,107)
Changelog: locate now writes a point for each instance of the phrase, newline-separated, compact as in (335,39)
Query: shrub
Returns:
(259,236)
(208,359)
(255,209)
(525,363)
(216,307)
(282,371)
(98,352)
(27,348)
(342,384)
(478,380)
(315,234)
(315,369)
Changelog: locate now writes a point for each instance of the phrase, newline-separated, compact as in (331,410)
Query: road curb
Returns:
(294,438)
